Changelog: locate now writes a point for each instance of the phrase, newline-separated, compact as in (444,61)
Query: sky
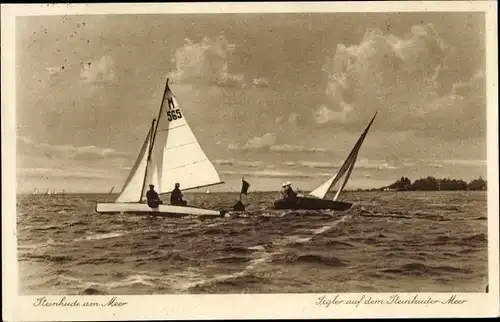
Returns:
(271,97)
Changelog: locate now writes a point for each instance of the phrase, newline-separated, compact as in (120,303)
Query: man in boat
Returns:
(176,197)
(287,191)
(153,199)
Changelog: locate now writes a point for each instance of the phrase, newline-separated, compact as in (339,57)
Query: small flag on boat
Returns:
(244,187)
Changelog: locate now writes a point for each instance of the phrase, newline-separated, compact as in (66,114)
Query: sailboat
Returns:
(35,192)
(316,199)
(208,191)
(170,154)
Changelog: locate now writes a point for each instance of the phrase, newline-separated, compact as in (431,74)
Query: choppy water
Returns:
(388,242)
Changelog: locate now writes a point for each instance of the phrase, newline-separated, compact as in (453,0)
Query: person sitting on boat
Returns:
(153,199)
(288,192)
(283,190)
(176,197)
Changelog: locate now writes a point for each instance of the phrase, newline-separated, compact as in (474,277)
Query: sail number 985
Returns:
(174,115)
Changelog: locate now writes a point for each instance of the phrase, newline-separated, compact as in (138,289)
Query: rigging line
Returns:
(180,145)
(192,188)
(173,128)
(185,165)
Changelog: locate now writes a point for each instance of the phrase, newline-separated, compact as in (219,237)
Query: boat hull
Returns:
(311,204)
(162,210)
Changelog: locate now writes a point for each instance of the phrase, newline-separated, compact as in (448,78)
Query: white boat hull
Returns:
(162,210)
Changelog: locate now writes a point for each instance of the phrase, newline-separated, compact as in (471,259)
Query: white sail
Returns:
(176,155)
(347,167)
(322,190)
(131,191)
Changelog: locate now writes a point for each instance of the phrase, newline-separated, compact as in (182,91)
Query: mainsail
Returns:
(176,155)
(131,191)
(170,154)
(347,167)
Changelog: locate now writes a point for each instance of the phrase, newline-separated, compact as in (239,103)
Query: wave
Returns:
(312,259)
(258,247)
(229,285)
(477,240)
(48,258)
(404,215)
(100,260)
(47,227)
(233,259)
(420,269)
(100,236)
(239,250)
(92,291)
(337,244)
(474,240)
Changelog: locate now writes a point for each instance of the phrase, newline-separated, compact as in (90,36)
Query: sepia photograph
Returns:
(223,153)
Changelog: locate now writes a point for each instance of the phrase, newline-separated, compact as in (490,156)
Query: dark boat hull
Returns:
(311,204)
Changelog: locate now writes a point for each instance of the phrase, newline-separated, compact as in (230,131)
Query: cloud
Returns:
(324,115)
(360,164)
(459,114)
(260,82)
(267,141)
(294,148)
(375,164)
(442,163)
(64,173)
(248,164)
(99,71)
(276,174)
(91,152)
(255,143)
(399,76)
(316,164)
(294,118)
(206,62)
(55,70)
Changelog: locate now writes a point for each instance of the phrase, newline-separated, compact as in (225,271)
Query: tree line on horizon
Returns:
(433,184)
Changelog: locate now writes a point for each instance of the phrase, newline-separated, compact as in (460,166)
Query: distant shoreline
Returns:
(433,184)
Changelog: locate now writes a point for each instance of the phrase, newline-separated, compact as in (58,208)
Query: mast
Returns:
(351,167)
(148,160)
(152,140)
(158,119)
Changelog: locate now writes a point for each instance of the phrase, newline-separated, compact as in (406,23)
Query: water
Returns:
(388,242)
